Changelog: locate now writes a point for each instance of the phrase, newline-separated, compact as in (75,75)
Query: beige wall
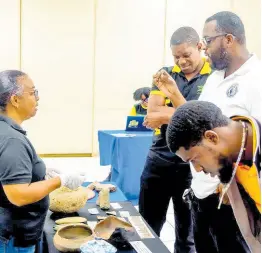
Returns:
(88,56)
(190,13)
(129,49)
(57,51)
(250,13)
(10,34)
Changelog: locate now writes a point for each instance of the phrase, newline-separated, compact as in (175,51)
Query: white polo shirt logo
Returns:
(232,90)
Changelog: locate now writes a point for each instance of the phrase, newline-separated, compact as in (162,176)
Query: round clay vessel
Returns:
(64,200)
(71,237)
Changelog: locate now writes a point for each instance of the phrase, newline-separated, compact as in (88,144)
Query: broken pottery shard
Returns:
(111,213)
(64,200)
(71,220)
(104,201)
(105,228)
(99,218)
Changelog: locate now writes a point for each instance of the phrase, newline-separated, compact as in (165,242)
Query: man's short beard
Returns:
(226,171)
(221,62)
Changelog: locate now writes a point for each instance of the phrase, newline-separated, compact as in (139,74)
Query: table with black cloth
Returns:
(154,244)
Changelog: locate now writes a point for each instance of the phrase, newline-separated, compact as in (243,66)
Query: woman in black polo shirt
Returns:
(23,189)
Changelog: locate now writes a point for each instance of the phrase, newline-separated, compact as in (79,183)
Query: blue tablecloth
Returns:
(114,196)
(127,156)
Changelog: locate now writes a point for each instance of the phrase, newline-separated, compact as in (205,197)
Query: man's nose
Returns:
(182,61)
(206,51)
(204,47)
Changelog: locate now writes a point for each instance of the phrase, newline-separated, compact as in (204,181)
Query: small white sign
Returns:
(124,214)
(140,227)
(116,205)
(93,211)
(140,247)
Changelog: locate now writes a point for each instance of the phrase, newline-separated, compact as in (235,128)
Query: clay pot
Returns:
(64,200)
(71,237)
(106,228)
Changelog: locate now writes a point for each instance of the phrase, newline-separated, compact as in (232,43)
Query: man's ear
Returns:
(229,40)
(211,136)
(14,100)
(200,46)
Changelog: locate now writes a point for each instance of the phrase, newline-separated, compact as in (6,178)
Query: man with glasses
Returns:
(165,175)
(235,88)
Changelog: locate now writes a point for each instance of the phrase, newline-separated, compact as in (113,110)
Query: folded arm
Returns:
(158,113)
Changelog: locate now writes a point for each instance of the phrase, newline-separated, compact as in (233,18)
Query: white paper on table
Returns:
(124,135)
(140,247)
(124,214)
(140,227)
(93,211)
(116,206)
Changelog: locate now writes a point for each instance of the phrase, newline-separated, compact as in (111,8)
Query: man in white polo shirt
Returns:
(235,88)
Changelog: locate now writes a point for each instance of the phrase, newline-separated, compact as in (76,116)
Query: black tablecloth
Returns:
(155,244)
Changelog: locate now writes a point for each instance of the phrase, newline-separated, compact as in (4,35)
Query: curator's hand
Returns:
(50,171)
(72,181)
(69,180)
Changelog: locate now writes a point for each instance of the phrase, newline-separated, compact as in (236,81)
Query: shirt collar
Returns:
(206,69)
(250,64)
(12,123)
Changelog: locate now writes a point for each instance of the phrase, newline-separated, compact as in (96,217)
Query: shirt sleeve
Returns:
(16,164)
(204,92)
(253,97)
(133,111)
(156,91)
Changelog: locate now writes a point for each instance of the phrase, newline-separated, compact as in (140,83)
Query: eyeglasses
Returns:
(207,40)
(35,92)
(144,100)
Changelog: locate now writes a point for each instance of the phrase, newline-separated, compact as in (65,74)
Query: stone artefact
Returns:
(98,187)
(111,213)
(104,199)
(71,220)
(64,200)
